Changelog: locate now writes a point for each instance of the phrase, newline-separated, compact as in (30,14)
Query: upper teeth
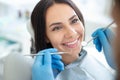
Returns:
(72,42)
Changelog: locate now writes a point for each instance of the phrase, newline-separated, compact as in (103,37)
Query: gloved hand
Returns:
(104,40)
(42,67)
(57,64)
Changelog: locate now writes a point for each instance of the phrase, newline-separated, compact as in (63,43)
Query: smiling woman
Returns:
(69,28)
(59,24)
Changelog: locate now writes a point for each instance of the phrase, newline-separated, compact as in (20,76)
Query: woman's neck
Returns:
(67,59)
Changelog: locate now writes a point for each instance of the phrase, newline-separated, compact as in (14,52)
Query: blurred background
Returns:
(14,15)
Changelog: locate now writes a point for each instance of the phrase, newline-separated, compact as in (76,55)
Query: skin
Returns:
(64,31)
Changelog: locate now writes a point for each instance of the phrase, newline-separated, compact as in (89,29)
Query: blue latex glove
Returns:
(57,64)
(42,67)
(104,40)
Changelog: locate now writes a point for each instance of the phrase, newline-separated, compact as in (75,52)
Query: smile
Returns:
(72,44)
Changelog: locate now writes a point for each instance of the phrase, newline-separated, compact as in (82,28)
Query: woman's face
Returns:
(64,30)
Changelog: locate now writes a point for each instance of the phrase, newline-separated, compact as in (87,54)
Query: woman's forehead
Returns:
(59,12)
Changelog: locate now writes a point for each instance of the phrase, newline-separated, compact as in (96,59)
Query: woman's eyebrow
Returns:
(57,23)
(72,17)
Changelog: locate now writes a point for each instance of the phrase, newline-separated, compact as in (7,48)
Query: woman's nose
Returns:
(70,33)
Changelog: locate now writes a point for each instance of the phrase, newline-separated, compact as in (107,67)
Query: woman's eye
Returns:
(56,28)
(75,21)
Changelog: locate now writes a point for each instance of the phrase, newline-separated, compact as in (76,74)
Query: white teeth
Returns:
(72,42)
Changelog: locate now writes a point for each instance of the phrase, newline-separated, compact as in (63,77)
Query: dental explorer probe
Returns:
(42,54)
(84,43)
